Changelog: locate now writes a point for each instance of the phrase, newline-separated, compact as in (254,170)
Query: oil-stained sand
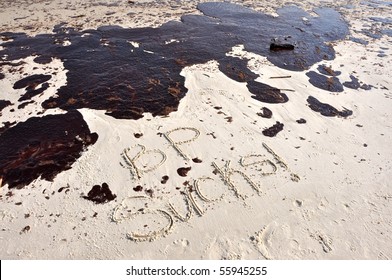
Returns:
(108,71)
(326,109)
(128,72)
(42,147)
(100,194)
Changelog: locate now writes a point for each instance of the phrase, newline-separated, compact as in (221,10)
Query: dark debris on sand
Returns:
(100,194)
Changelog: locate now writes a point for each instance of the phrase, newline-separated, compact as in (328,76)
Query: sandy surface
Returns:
(329,195)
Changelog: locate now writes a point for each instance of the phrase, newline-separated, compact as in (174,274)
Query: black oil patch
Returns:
(326,70)
(385,22)
(326,109)
(359,41)
(331,84)
(273,130)
(24,104)
(4,104)
(100,194)
(31,81)
(42,147)
(6,125)
(34,85)
(265,113)
(276,47)
(43,59)
(387,32)
(366,87)
(183,171)
(354,83)
(236,69)
(266,93)
(107,72)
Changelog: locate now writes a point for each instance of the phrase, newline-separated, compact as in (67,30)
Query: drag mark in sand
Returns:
(324,240)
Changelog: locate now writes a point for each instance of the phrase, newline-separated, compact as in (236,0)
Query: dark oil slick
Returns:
(331,84)
(42,147)
(4,104)
(354,83)
(326,109)
(266,93)
(105,71)
(326,70)
(34,85)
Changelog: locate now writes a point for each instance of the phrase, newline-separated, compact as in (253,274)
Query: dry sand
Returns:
(339,206)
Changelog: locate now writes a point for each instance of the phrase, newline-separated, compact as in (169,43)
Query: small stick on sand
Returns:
(280,77)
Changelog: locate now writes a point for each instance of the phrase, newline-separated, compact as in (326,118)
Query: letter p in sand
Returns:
(176,144)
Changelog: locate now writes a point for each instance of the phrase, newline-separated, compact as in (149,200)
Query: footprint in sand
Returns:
(325,240)
(275,241)
(230,248)
(180,247)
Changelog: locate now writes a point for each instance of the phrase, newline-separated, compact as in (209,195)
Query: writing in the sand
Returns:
(148,222)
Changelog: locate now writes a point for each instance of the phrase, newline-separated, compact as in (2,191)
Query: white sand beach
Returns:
(316,190)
